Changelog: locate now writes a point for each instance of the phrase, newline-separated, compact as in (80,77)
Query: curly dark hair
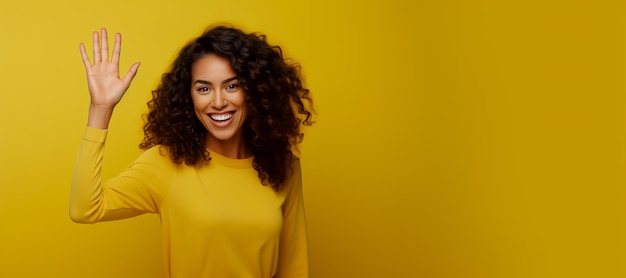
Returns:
(275,102)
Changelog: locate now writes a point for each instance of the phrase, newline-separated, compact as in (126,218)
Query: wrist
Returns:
(99,116)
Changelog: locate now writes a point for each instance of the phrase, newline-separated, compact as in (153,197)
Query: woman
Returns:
(218,166)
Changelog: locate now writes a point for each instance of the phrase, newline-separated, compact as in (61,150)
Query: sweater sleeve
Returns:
(129,194)
(293,254)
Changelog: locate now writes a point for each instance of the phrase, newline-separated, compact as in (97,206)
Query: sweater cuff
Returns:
(95,135)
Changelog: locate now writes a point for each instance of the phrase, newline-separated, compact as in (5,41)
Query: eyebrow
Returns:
(209,83)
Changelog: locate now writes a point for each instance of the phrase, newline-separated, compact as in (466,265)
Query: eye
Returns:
(232,87)
(203,89)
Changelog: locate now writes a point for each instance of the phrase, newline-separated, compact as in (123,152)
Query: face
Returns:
(218,99)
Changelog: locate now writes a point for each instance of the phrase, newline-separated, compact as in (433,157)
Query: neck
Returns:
(232,148)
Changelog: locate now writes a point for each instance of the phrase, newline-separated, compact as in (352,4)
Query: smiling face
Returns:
(219,103)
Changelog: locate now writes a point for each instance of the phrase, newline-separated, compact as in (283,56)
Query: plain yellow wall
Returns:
(453,138)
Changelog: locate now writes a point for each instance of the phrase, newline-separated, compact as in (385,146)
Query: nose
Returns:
(219,102)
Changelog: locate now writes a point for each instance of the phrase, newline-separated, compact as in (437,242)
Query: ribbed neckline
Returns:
(242,163)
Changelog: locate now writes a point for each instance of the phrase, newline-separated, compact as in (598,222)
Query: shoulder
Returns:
(157,155)
(294,175)
(295,164)
(156,152)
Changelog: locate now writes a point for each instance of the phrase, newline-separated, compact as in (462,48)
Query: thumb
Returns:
(131,73)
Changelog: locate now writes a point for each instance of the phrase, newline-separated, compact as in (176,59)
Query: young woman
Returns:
(218,165)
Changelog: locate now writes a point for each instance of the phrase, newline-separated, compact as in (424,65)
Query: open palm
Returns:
(106,88)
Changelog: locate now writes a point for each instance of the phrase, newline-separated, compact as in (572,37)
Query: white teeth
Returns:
(221,117)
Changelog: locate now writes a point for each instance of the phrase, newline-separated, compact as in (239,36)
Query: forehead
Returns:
(213,67)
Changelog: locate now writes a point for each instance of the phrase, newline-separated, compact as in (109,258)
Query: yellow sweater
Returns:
(217,221)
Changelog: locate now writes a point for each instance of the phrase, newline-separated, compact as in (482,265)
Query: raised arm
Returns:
(132,192)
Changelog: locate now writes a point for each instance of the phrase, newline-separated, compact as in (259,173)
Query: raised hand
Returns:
(106,88)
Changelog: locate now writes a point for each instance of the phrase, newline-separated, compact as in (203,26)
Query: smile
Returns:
(221,117)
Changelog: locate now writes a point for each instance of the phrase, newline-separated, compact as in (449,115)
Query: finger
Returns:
(105,45)
(117,48)
(131,73)
(83,54)
(96,48)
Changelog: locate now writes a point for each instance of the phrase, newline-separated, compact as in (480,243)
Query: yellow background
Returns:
(453,138)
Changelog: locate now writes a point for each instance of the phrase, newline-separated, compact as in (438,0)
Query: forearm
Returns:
(126,195)
(86,195)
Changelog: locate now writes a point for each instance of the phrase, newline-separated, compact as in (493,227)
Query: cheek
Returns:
(198,102)
(239,100)
(243,106)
